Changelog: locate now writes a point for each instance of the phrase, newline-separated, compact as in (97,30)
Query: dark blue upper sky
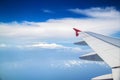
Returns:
(32,10)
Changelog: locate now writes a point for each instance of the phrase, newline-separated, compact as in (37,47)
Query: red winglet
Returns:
(77,31)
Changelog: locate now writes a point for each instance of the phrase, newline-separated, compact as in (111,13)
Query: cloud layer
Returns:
(72,63)
(106,22)
(44,46)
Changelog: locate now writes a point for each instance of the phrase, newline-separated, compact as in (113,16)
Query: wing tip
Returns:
(77,31)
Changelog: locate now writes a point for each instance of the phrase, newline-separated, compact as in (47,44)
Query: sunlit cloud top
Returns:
(108,12)
(62,28)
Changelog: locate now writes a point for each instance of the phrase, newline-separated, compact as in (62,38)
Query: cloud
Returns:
(108,12)
(62,28)
(80,63)
(47,11)
(43,45)
(3,45)
(58,64)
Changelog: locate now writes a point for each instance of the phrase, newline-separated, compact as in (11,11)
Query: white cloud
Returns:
(44,45)
(80,63)
(62,28)
(47,11)
(54,64)
(108,12)
(3,45)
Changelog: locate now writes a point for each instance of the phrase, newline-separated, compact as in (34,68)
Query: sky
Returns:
(36,37)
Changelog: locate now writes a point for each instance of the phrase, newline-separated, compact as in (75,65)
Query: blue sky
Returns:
(36,37)
(34,10)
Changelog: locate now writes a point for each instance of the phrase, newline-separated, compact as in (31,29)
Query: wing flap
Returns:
(91,56)
(82,43)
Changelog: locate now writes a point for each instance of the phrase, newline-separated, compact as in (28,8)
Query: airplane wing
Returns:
(107,48)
